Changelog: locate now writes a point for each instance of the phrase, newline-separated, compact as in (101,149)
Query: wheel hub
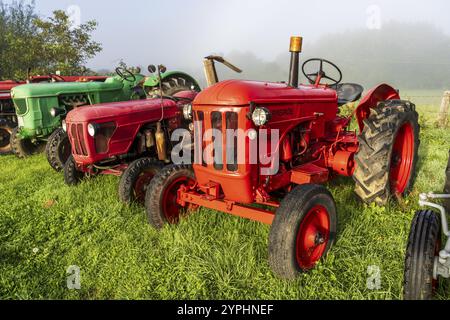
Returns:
(402,159)
(312,237)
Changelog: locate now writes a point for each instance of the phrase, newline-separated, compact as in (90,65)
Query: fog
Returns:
(406,43)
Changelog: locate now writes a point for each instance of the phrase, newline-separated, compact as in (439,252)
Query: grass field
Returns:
(45,227)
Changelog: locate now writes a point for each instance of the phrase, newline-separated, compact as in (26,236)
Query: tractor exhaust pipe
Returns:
(295,49)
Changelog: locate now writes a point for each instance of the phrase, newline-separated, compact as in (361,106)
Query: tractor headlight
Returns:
(260,116)
(187,112)
(55,112)
(92,129)
(64,125)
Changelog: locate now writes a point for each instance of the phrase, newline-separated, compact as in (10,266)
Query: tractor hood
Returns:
(241,93)
(8,85)
(54,89)
(135,110)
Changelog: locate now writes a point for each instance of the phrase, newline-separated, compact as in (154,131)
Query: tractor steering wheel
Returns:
(56,78)
(125,74)
(316,77)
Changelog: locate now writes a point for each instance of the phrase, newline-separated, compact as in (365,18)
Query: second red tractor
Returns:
(308,143)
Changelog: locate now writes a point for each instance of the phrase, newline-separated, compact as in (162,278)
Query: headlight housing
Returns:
(92,129)
(64,125)
(187,111)
(57,112)
(53,112)
(261,116)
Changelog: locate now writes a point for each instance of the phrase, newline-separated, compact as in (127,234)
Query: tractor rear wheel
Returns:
(423,248)
(72,176)
(162,193)
(388,152)
(58,149)
(23,148)
(136,178)
(303,231)
(6,129)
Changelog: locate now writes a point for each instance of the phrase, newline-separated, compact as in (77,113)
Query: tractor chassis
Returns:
(441,263)
(211,200)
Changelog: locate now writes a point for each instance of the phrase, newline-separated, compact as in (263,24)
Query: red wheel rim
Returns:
(172,210)
(312,237)
(402,159)
(142,182)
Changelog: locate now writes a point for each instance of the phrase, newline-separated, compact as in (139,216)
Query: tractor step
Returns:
(309,173)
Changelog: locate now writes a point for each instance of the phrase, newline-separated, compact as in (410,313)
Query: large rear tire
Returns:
(388,152)
(423,247)
(6,130)
(23,148)
(136,178)
(303,231)
(58,149)
(174,84)
(161,198)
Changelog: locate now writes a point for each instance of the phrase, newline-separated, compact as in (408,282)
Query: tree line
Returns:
(43,45)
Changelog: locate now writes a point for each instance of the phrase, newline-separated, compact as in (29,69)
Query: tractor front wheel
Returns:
(303,231)
(161,198)
(388,152)
(423,248)
(6,130)
(58,149)
(136,178)
(23,148)
(72,176)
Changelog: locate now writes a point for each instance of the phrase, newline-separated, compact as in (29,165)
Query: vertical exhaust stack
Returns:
(295,49)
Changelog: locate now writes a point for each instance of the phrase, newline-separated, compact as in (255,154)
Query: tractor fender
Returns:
(380,93)
(153,81)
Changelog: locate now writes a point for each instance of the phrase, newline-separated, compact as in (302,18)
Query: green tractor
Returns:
(41,108)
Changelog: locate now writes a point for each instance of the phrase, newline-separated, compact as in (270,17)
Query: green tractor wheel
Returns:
(6,129)
(58,149)
(23,148)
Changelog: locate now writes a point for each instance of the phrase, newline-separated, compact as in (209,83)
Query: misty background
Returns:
(404,43)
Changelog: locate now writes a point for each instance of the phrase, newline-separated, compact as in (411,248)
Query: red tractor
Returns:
(130,139)
(8,117)
(277,181)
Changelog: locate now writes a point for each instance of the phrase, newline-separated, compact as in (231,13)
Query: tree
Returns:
(44,45)
(16,30)
(62,46)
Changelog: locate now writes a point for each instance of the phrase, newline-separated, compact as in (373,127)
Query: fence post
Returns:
(443,112)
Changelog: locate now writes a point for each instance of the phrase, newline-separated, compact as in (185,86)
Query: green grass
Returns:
(208,256)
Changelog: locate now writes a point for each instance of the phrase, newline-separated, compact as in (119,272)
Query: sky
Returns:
(180,33)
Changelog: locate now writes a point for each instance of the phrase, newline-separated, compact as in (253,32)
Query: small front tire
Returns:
(72,176)
(303,231)
(23,148)
(161,203)
(58,149)
(136,178)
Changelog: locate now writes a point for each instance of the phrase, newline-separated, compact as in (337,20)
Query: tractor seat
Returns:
(348,92)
